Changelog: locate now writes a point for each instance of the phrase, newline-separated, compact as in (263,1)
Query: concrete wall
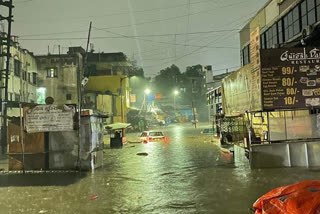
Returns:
(20,87)
(293,154)
(68,67)
(272,11)
(258,21)
(286,5)
(245,36)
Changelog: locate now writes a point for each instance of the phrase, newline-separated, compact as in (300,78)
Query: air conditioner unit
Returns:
(307,31)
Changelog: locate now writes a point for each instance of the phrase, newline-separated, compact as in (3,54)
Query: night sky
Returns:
(157,33)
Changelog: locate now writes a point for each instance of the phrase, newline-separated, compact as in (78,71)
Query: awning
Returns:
(115,126)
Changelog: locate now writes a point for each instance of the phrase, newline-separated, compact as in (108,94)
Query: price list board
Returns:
(290,78)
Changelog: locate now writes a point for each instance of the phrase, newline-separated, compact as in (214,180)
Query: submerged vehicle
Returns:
(152,136)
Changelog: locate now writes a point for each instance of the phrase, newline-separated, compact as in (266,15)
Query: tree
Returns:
(136,70)
(168,80)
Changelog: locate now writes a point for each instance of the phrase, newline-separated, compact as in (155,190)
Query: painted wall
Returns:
(111,84)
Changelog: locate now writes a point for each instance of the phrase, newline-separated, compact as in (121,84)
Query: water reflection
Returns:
(186,175)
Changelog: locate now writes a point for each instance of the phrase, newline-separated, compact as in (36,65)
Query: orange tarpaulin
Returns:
(300,198)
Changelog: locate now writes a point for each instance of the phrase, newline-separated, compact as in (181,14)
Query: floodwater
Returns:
(185,175)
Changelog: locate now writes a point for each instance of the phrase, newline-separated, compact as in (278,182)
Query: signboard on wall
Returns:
(290,78)
(133,98)
(49,118)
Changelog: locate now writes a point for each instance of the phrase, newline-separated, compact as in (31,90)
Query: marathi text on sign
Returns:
(49,118)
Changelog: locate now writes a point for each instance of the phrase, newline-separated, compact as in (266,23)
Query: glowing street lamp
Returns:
(147,91)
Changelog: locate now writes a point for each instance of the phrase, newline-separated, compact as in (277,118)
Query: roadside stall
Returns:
(48,138)
(117,134)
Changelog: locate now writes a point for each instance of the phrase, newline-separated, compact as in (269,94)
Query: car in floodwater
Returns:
(152,136)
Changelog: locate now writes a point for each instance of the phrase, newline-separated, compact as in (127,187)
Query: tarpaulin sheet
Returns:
(300,198)
(241,92)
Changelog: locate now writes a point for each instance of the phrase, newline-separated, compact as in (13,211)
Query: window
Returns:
(311,12)
(269,38)
(17,97)
(280,32)
(263,41)
(68,96)
(52,72)
(291,23)
(318,9)
(272,36)
(17,67)
(34,78)
(24,75)
(296,21)
(246,55)
(285,27)
(304,19)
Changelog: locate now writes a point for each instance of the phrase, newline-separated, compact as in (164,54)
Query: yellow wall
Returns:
(104,103)
(112,83)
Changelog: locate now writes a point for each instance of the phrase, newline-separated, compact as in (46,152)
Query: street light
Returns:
(147,91)
(174,99)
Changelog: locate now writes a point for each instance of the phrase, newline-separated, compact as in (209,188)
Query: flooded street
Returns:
(184,175)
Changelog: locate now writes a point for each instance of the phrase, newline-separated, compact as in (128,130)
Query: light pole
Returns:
(146,92)
(175,93)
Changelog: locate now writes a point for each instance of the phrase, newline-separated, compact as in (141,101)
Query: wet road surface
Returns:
(185,175)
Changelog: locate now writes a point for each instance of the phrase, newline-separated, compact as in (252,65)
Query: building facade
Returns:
(285,23)
(109,80)
(278,53)
(58,76)
(22,83)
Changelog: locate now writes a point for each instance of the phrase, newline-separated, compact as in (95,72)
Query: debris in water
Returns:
(43,211)
(94,197)
(142,154)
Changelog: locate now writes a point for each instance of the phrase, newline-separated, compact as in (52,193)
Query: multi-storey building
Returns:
(109,79)
(283,23)
(275,92)
(58,76)
(22,75)
(22,80)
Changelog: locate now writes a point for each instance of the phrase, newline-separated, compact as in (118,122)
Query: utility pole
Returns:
(81,84)
(5,73)
(194,115)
